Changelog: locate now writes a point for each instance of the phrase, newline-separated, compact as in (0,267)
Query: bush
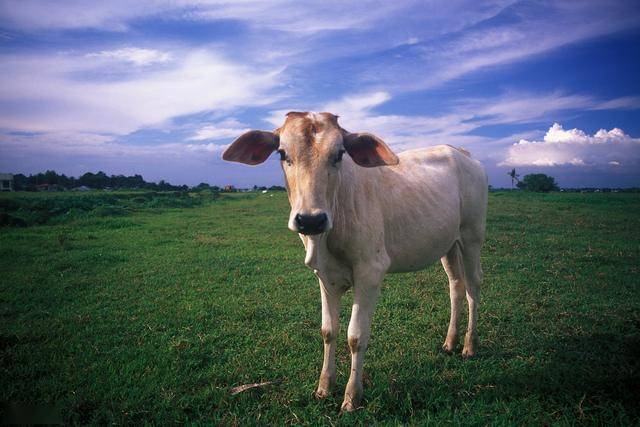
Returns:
(48,209)
(538,182)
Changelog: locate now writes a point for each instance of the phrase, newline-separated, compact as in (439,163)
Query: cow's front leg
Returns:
(366,290)
(330,328)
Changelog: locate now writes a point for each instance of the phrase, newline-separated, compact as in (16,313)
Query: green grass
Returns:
(154,315)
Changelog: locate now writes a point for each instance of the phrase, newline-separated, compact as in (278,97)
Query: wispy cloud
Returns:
(228,128)
(135,55)
(518,32)
(68,92)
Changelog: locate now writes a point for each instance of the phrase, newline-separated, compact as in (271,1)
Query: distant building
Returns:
(229,188)
(6,182)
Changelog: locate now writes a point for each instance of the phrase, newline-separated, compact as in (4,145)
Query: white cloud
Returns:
(357,105)
(520,31)
(228,128)
(575,147)
(60,96)
(297,16)
(625,102)
(134,55)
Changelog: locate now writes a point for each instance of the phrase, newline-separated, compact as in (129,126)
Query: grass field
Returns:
(153,313)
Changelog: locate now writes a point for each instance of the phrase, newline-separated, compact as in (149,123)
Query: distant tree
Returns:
(514,177)
(164,186)
(20,182)
(538,182)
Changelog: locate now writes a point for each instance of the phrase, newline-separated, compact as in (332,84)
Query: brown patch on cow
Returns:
(328,335)
(299,123)
(332,118)
(308,125)
(354,343)
(293,114)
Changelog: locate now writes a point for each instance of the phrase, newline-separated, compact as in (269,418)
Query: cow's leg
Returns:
(453,265)
(365,294)
(330,329)
(473,276)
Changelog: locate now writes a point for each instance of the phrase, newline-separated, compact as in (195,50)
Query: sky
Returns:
(161,88)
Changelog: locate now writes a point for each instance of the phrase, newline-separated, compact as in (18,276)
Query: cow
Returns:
(373,212)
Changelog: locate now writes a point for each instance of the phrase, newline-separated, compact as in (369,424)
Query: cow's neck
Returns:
(345,204)
(344,210)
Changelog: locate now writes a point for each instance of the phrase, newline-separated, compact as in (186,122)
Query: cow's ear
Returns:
(252,148)
(368,150)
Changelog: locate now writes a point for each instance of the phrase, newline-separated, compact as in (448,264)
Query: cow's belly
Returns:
(420,234)
(420,250)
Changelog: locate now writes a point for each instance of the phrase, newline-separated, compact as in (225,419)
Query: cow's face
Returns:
(311,148)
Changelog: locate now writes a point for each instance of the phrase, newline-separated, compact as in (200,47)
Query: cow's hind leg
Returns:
(473,280)
(454,267)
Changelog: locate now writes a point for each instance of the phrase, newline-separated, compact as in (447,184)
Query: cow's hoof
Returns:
(351,401)
(469,350)
(321,393)
(468,353)
(445,349)
(325,385)
(347,406)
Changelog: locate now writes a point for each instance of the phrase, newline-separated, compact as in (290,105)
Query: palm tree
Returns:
(514,177)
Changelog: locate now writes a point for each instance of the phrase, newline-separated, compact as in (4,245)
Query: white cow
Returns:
(370,213)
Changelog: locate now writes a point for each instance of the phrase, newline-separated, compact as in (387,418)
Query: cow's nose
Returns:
(311,224)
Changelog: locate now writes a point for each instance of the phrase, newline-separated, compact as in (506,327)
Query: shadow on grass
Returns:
(585,377)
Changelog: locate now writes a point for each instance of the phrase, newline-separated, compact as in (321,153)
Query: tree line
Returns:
(100,180)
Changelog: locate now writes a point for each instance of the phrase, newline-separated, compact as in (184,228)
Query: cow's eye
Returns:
(283,156)
(338,157)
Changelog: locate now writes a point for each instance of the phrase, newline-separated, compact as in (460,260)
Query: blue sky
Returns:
(162,87)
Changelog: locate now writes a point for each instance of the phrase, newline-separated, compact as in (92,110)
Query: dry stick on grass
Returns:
(245,387)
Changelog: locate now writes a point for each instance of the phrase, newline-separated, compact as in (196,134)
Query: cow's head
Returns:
(311,148)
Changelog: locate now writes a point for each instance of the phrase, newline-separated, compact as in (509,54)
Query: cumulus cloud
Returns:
(575,147)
